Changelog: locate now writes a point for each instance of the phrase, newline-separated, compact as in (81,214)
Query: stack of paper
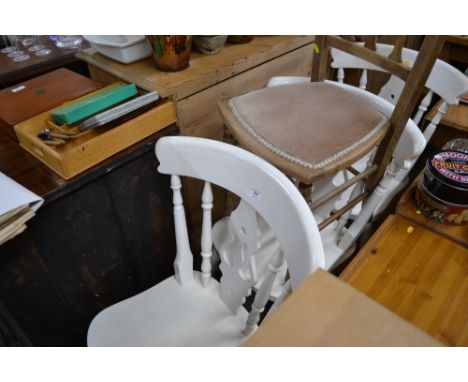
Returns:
(17,206)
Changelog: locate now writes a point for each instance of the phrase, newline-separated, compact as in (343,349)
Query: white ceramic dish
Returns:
(125,49)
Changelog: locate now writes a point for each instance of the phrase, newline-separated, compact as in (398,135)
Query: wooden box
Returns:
(94,145)
(40,94)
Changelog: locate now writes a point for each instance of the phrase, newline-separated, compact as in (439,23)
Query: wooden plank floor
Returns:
(419,275)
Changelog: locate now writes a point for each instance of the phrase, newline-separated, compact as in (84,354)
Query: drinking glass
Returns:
(13,49)
(8,49)
(39,48)
(27,40)
(17,54)
(36,45)
(69,41)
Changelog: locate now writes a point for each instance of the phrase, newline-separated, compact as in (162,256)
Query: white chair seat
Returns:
(169,314)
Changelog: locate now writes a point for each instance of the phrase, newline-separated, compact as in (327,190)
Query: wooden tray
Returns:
(408,209)
(94,145)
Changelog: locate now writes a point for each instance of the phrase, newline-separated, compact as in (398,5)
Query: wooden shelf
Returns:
(408,209)
(453,124)
(456,116)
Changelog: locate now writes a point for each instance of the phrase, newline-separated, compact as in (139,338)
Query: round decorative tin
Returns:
(442,192)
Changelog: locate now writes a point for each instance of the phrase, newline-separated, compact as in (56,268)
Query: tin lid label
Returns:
(452,165)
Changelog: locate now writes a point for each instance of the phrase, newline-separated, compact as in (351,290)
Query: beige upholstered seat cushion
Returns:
(312,125)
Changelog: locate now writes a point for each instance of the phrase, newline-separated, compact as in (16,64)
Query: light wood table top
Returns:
(419,275)
(204,70)
(407,209)
(324,311)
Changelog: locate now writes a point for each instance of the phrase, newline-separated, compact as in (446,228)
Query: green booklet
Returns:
(90,105)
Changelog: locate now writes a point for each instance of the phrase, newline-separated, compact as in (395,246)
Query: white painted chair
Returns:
(191,308)
(338,239)
(444,80)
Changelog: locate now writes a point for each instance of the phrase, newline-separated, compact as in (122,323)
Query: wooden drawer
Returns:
(93,146)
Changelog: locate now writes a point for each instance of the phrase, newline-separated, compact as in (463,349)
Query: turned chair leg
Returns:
(306,191)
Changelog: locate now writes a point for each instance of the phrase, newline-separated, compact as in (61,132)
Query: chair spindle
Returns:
(435,121)
(206,240)
(183,263)
(423,107)
(400,42)
(340,75)
(363,80)
(370,42)
(263,293)
(287,290)
(358,225)
(357,190)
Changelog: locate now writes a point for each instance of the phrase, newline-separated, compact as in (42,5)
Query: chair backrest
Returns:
(444,80)
(261,187)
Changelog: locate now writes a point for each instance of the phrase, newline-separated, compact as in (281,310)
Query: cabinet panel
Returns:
(34,298)
(101,238)
(197,115)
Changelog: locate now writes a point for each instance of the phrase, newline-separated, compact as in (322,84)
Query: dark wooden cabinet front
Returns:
(99,238)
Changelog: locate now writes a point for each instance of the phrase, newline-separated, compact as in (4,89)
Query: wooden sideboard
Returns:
(100,237)
(236,69)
